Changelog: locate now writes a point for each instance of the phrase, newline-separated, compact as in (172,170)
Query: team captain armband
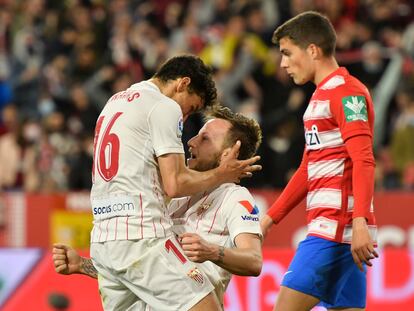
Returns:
(355,108)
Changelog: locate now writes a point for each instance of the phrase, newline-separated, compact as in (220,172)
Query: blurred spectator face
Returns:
(54,122)
(10,117)
(405,100)
(256,20)
(86,58)
(391,37)
(34,7)
(60,62)
(236,26)
(79,97)
(68,36)
(371,53)
(117,6)
(363,32)
(81,19)
(382,10)
(32,131)
(172,15)
(221,5)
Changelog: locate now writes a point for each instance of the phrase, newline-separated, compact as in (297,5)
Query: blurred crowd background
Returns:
(61,60)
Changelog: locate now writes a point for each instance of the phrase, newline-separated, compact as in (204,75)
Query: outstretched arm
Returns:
(244,259)
(67,261)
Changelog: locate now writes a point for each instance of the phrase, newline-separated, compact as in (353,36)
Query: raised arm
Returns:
(244,259)
(67,261)
(178,180)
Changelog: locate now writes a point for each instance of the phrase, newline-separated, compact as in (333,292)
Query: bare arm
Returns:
(67,261)
(88,268)
(178,180)
(244,259)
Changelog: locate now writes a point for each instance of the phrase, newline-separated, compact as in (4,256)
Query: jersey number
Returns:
(106,156)
(169,245)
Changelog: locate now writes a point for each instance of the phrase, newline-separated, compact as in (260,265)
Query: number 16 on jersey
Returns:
(106,149)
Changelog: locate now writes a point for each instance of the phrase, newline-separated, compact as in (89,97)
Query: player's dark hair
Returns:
(193,67)
(245,129)
(308,28)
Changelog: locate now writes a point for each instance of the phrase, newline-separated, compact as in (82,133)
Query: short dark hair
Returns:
(307,28)
(193,67)
(245,129)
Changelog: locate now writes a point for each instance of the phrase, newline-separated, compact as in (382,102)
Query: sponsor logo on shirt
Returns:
(253,210)
(114,208)
(312,136)
(355,108)
(180,127)
(196,275)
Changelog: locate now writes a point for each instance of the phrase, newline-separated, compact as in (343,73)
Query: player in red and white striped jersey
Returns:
(218,227)
(336,175)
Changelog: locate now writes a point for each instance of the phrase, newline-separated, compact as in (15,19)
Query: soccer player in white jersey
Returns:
(219,227)
(138,164)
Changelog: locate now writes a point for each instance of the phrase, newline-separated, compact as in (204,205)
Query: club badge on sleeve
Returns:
(355,108)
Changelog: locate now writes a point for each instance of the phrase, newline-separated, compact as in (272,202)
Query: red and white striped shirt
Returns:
(339,109)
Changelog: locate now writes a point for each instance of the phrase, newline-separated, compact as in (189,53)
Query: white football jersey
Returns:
(218,217)
(135,127)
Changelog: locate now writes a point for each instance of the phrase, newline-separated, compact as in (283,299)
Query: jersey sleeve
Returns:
(353,111)
(165,123)
(360,151)
(241,213)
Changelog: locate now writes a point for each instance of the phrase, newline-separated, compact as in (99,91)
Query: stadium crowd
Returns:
(60,61)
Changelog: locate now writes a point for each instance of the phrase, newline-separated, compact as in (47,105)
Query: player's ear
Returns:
(314,51)
(183,84)
(226,152)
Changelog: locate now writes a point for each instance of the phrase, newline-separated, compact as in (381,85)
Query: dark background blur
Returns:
(61,60)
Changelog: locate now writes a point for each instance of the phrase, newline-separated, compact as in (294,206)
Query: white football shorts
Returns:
(148,274)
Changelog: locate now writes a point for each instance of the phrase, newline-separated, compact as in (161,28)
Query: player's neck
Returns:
(324,68)
(161,86)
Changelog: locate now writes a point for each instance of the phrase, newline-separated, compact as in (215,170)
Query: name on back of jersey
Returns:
(129,95)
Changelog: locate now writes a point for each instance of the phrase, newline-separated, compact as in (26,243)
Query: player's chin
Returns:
(299,81)
(191,163)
